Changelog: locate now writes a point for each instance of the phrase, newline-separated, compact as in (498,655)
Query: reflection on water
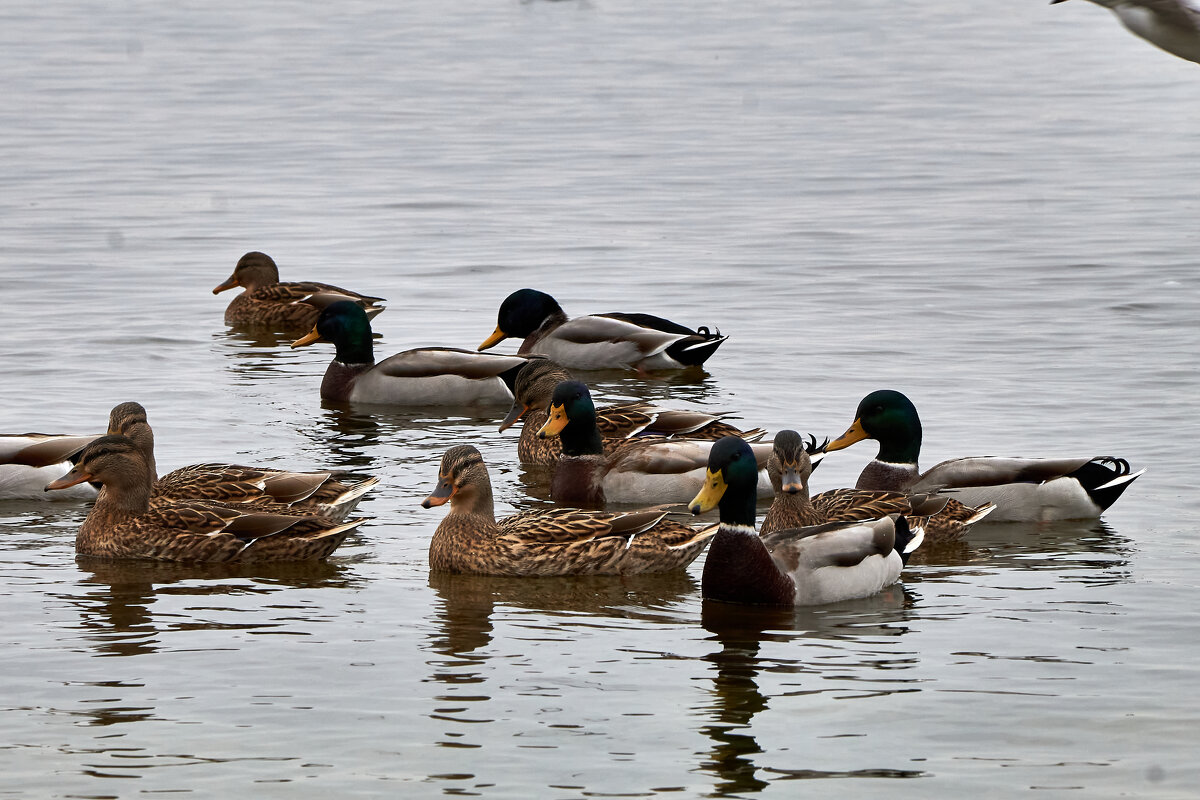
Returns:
(117,601)
(858,627)
(1083,551)
(468,602)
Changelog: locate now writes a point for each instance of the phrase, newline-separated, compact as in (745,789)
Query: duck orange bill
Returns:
(496,338)
(440,495)
(710,493)
(854,433)
(72,478)
(308,338)
(515,413)
(790,480)
(553,427)
(228,284)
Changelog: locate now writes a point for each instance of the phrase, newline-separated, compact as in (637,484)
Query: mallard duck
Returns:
(124,524)
(306,492)
(599,341)
(1023,489)
(642,471)
(534,388)
(790,465)
(286,307)
(557,541)
(794,566)
(29,461)
(1170,25)
(426,376)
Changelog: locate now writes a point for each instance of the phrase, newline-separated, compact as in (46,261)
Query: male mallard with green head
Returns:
(1023,489)
(794,566)
(425,376)
(599,341)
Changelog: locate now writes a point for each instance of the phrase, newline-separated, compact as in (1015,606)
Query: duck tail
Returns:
(908,538)
(1105,478)
(694,350)
(343,504)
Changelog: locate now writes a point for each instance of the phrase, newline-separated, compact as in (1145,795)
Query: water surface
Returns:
(991,208)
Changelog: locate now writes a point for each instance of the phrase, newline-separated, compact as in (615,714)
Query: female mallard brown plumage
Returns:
(1023,489)
(284,307)
(425,376)
(558,541)
(643,471)
(534,389)
(599,341)
(943,519)
(124,524)
(305,492)
(794,566)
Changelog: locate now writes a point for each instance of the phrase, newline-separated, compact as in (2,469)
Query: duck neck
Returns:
(901,445)
(142,435)
(120,500)
(796,505)
(474,499)
(356,349)
(581,437)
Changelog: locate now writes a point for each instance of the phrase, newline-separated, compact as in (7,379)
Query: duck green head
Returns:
(573,419)
(730,482)
(522,313)
(890,418)
(344,323)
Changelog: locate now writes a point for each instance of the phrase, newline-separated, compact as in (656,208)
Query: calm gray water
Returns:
(991,206)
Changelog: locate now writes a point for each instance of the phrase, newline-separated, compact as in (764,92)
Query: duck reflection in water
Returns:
(116,609)
(736,698)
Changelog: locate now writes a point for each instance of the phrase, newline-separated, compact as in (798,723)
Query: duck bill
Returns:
(553,427)
(854,433)
(517,411)
(496,338)
(230,283)
(790,481)
(307,339)
(440,496)
(72,478)
(710,494)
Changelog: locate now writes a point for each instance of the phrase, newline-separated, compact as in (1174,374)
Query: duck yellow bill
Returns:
(308,338)
(228,284)
(854,433)
(553,427)
(440,495)
(710,493)
(496,338)
(72,478)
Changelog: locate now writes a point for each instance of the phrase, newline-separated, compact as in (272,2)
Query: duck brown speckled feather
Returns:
(789,468)
(558,541)
(534,387)
(290,307)
(123,523)
(279,491)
